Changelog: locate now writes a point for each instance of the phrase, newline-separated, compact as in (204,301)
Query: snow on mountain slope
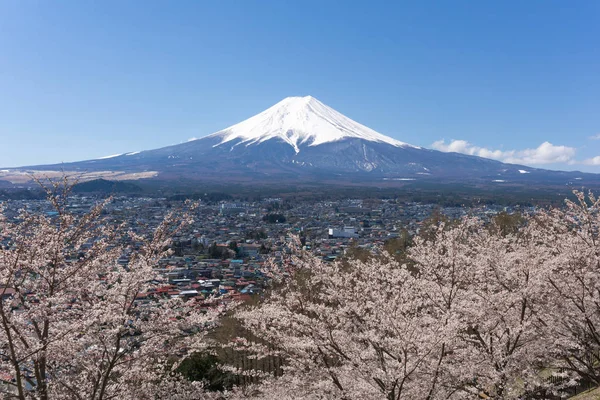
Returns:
(300,121)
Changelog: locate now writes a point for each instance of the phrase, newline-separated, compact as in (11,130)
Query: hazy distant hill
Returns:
(106,187)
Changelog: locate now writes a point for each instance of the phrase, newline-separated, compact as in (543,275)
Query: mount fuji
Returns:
(300,139)
(300,121)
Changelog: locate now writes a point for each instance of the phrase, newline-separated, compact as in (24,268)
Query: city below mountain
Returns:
(301,140)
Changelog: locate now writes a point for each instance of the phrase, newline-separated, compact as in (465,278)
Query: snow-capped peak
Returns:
(111,156)
(301,121)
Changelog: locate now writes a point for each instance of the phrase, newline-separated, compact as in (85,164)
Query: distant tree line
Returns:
(274,218)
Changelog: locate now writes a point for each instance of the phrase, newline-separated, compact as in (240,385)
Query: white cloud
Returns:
(592,161)
(545,153)
(595,137)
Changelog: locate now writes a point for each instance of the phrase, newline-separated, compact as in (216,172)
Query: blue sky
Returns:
(513,80)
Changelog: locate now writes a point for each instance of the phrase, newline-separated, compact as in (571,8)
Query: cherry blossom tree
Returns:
(570,236)
(469,318)
(348,330)
(70,323)
(492,286)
